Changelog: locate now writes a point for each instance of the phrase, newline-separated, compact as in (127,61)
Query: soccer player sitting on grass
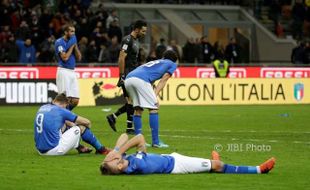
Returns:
(50,119)
(145,163)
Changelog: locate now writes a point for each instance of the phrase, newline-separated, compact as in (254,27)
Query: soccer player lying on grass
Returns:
(50,119)
(146,163)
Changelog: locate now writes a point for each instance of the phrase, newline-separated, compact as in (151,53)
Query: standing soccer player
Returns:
(67,52)
(50,140)
(128,61)
(138,84)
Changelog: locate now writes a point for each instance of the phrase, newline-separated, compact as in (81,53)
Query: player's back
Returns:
(153,70)
(142,163)
(48,122)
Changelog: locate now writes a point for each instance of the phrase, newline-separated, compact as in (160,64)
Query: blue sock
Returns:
(154,124)
(230,169)
(137,124)
(90,138)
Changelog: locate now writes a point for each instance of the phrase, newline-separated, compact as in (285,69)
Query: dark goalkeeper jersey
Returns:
(131,46)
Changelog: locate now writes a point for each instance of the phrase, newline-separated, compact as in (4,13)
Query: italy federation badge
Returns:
(298,91)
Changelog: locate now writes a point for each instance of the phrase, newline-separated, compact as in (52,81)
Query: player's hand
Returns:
(121,80)
(112,156)
(72,41)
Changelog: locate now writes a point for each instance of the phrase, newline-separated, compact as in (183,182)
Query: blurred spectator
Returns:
(279,30)
(221,68)
(298,14)
(5,11)
(104,56)
(307,21)
(218,50)
(112,17)
(23,31)
(44,21)
(306,59)
(115,30)
(189,53)
(92,52)
(160,48)
(114,50)
(83,28)
(83,48)
(207,51)
(151,56)
(233,51)
(5,33)
(8,50)
(47,50)
(297,56)
(275,13)
(177,48)
(258,8)
(27,52)
(35,30)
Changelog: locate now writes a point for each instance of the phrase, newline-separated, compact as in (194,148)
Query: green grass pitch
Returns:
(255,133)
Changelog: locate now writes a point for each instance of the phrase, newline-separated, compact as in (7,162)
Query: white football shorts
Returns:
(69,140)
(186,164)
(67,82)
(141,93)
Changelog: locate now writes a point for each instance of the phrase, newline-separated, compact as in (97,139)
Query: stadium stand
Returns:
(182,24)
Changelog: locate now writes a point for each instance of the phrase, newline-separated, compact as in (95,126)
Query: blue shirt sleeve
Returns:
(68,115)
(33,54)
(172,68)
(19,43)
(59,47)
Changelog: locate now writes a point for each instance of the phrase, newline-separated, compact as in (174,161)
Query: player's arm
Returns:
(77,53)
(65,55)
(161,84)
(121,61)
(123,144)
(137,141)
(82,121)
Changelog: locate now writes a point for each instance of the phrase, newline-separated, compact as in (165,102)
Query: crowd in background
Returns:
(28,30)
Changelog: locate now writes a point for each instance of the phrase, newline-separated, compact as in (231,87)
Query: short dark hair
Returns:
(170,54)
(67,27)
(61,98)
(139,24)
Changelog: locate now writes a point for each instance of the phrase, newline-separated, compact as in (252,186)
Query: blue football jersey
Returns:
(145,163)
(153,70)
(61,45)
(48,122)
